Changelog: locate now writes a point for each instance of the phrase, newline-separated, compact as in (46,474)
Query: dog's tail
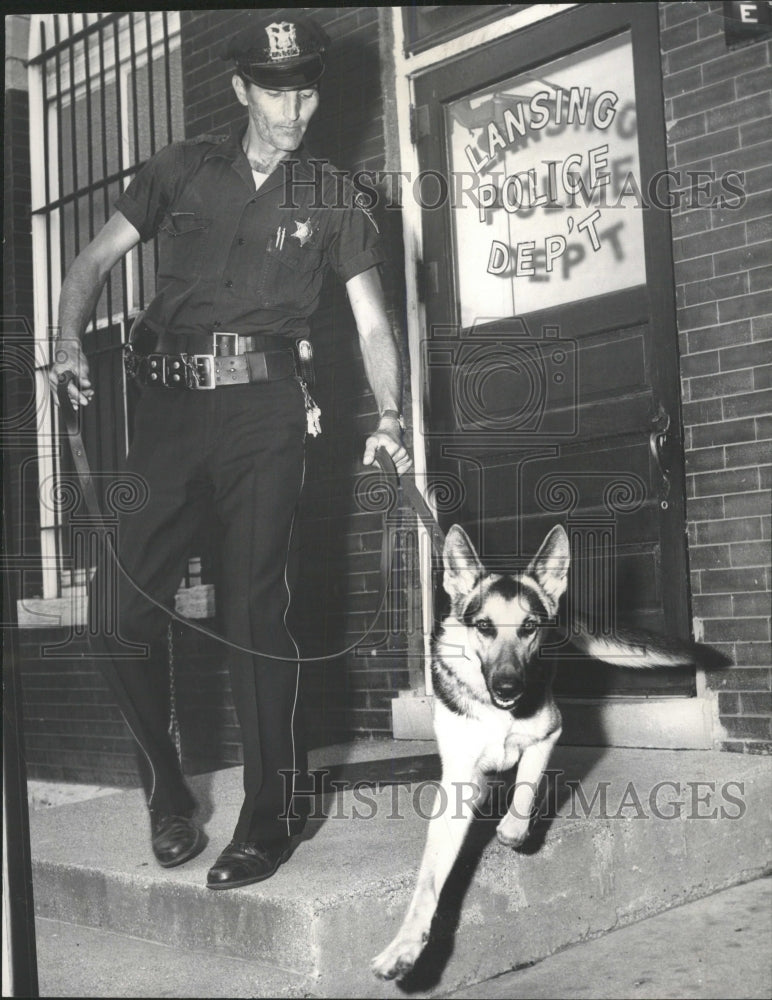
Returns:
(633,648)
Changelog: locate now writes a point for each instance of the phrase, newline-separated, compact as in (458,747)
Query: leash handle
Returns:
(63,397)
(71,423)
(411,493)
(386,462)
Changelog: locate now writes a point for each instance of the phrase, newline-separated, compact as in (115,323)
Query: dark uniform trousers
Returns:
(243,447)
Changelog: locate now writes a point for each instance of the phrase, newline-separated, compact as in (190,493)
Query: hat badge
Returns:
(282,40)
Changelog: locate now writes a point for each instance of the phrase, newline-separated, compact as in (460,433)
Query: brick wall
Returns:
(718,108)
(17,256)
(74,732)
(16,332)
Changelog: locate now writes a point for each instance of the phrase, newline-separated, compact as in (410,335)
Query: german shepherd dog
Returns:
(494,706)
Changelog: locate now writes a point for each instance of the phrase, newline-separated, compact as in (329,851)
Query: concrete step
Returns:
(322,917)
(715,948)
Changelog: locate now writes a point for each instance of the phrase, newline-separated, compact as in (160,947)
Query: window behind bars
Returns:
(105,93)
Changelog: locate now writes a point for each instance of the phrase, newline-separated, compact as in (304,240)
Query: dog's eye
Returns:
(485,626)
(529,625)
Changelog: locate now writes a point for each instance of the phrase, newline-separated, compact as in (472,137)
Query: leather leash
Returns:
(405,484)
(410,492)
(80,461)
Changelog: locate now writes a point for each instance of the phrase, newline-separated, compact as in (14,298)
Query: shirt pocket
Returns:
(182,242)
(291,274)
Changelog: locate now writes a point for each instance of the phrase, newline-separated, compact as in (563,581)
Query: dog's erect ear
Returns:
(462,564)
(549,567)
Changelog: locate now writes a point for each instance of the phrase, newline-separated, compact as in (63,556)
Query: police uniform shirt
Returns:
(240,259)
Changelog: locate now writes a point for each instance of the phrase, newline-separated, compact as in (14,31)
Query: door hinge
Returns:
(419,123)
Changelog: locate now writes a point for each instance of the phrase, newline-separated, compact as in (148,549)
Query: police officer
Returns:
(247,227)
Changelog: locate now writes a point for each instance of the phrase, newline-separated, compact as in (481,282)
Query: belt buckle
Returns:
(203,370)
(203,364)
(231,339)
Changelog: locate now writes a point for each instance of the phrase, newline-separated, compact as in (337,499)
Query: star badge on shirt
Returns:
(303,232)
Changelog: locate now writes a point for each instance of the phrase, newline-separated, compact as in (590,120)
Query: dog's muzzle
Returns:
(506,691)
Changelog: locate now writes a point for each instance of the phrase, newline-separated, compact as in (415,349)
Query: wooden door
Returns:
(550,349)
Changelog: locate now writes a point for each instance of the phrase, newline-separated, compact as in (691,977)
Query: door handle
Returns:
(659,438)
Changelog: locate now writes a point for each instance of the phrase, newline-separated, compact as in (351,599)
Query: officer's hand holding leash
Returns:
(70,364)
(388,435)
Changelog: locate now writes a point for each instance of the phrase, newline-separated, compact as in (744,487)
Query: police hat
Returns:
(279,53)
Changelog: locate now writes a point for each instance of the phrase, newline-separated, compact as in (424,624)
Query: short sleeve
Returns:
(357,244)
(146,199)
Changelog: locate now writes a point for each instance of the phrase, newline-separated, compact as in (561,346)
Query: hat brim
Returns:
(291,75)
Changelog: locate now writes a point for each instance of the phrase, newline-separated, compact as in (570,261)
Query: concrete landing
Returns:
(716,948)
(633,833)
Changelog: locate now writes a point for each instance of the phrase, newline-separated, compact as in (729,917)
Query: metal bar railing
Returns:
(89,29)
(59,136)
(135,123)
(117,175)
(150,87)
(89,151)
(47,176)
(119,119)
(73,138)
(103,115)
(167,76)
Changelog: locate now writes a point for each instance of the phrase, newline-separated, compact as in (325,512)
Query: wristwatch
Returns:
(396,415)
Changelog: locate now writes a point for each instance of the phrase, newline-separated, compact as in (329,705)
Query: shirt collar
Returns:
(231,149)
(300,161)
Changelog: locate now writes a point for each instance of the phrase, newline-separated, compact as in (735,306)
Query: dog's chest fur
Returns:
(493,738)
(465,715)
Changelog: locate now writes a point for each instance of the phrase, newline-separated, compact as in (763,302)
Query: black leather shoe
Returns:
(246,862)
(175,839)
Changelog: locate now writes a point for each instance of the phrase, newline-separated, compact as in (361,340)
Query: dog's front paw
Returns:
(512,832)
(398,959)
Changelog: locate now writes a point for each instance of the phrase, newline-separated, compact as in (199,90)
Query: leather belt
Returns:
(209,371)
(232,359)
(215,343)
